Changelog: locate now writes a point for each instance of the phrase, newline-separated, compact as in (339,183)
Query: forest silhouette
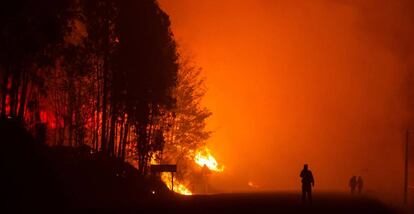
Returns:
(94,92)
(103,77)
(96,73)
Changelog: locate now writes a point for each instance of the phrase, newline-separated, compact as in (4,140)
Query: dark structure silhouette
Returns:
(307,183)
(353,184)
(360,184)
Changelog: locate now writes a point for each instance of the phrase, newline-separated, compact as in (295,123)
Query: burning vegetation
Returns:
(204,157)
(178,186)
(104,74)
(203,160)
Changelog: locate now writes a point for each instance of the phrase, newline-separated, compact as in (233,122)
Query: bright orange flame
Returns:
(204,157)
(166,179)
(178,187)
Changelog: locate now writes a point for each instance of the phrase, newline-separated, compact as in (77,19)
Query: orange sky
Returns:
(306,81)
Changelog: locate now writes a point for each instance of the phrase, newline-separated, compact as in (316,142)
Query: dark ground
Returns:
(280,203)
(67,180)
(37,177)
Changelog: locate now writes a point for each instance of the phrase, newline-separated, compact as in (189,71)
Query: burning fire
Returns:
(178,187)
(204,157)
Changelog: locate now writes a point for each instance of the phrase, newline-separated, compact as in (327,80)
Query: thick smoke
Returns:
(328,83)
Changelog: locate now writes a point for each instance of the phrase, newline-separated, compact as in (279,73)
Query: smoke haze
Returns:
(291,82)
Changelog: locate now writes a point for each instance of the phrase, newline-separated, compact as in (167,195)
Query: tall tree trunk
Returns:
(112,133)
(124,141)
(142,147)
(121,134)
(23,96)
(4,92)
(97,119)
(104,106)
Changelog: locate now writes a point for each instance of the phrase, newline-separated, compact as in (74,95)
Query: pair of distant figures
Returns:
(308,182)
(356,183)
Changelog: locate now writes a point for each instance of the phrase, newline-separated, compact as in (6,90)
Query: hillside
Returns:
(38,177)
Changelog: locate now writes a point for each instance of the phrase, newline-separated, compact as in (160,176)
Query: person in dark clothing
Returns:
(352,184)
(360,184)
(307,183)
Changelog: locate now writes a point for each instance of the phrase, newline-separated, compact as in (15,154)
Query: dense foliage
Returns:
(94,72)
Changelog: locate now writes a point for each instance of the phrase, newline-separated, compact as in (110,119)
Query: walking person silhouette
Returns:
(307,183)
(352,184)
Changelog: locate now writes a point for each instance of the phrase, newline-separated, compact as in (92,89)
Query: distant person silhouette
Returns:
(360,184)
(307,183)
(353,184)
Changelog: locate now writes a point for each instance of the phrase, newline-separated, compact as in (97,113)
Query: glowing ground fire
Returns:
(178,186)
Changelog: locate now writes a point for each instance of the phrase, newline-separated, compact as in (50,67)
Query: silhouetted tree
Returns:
(148,58)
(188,131)
(30,31)
(100,18)
(96,71)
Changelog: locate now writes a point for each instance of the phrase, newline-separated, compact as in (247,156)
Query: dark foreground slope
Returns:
(38,177)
